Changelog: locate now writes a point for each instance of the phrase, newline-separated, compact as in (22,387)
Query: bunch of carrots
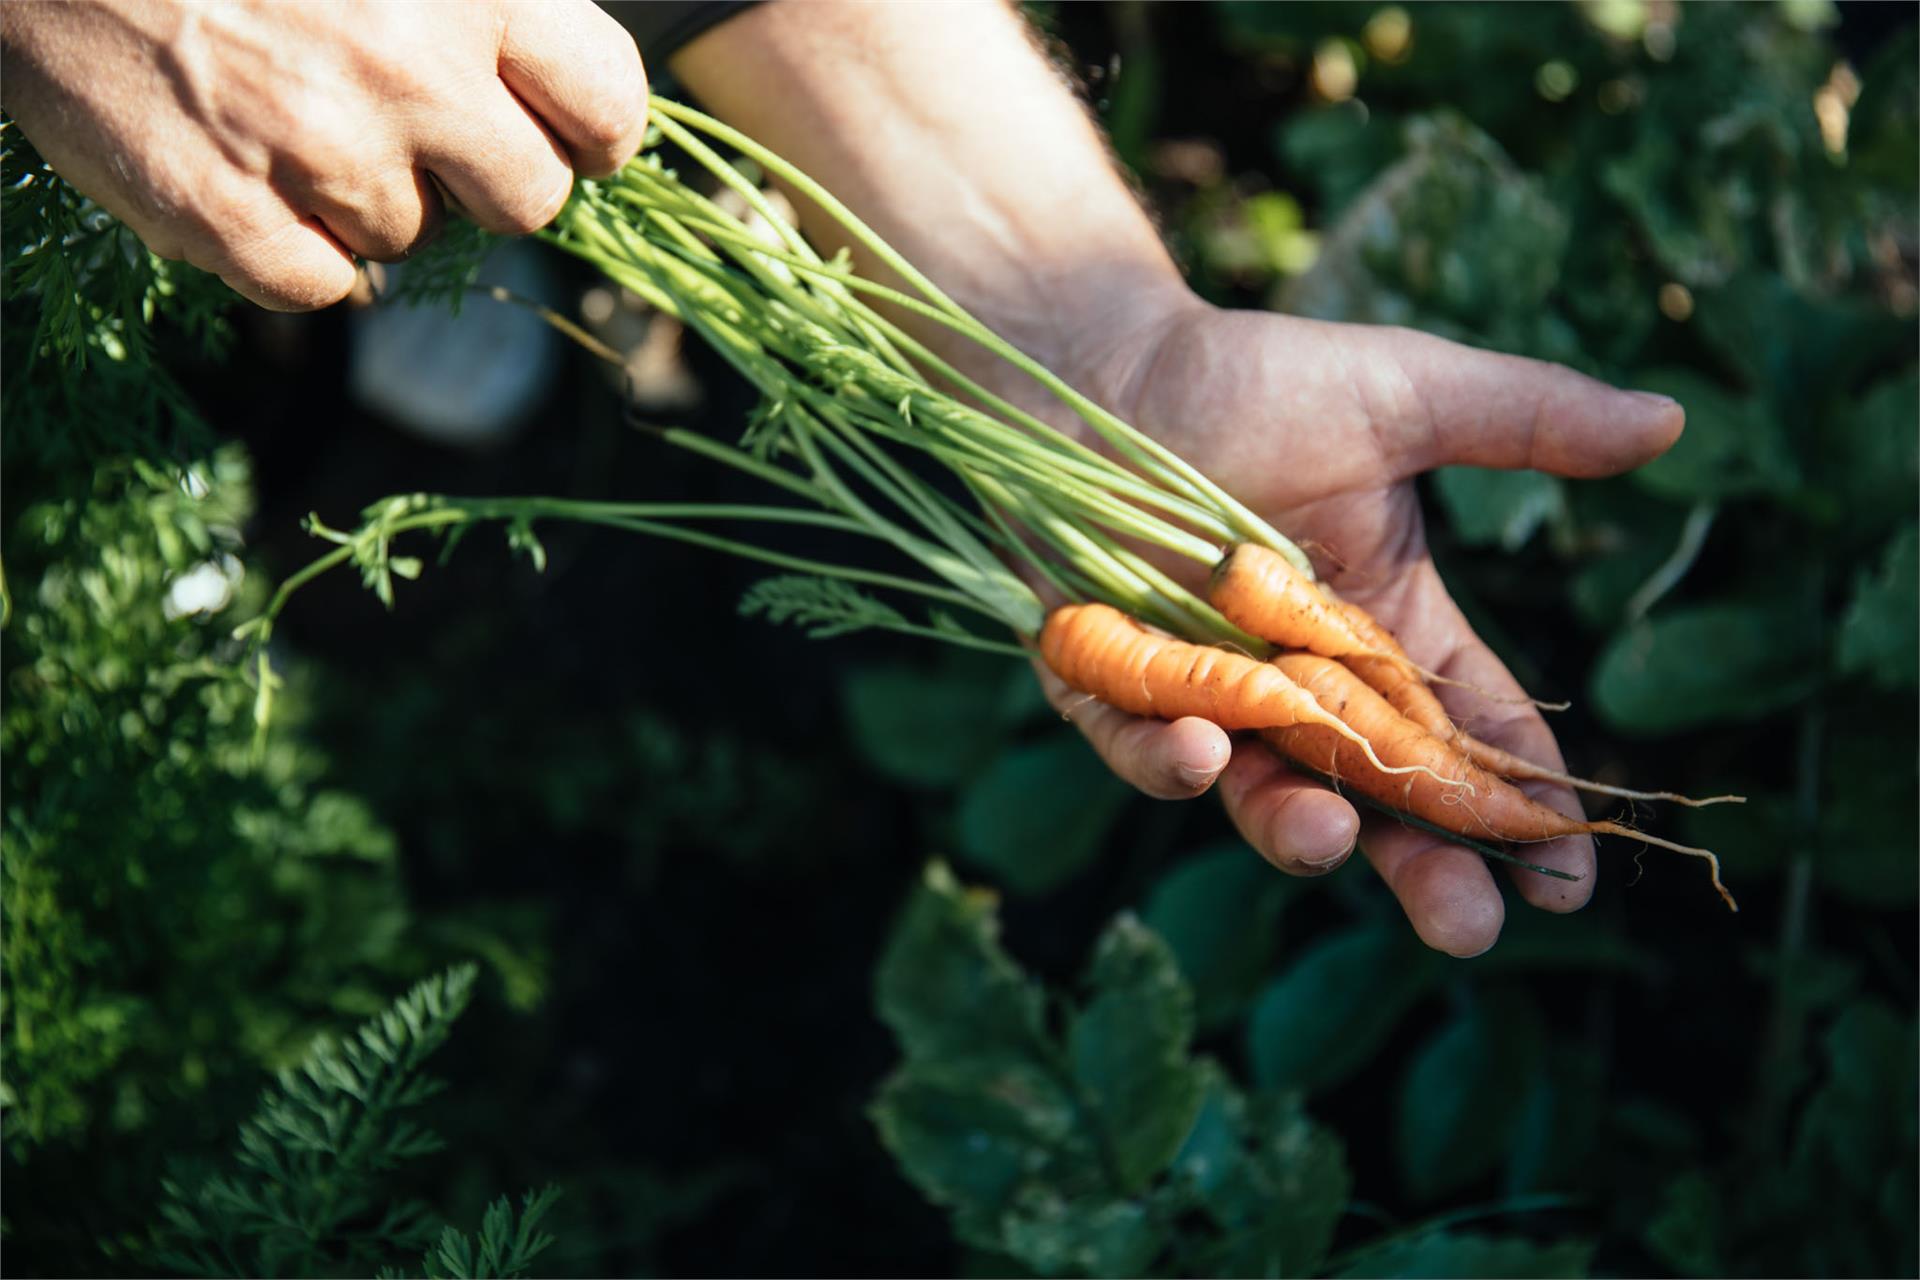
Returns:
(856,410)
(1342,699)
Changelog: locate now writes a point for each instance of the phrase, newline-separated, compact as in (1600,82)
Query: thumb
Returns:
(1490,410)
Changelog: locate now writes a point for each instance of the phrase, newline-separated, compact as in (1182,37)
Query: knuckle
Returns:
(529,208)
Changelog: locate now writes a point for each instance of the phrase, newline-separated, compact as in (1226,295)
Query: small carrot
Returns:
(1101,651)
(1262,592)
(1498,810)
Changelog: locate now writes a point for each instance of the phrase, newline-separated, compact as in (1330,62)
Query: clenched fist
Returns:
(270,142)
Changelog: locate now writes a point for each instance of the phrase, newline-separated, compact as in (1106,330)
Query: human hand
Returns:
(269,142)
(1320,428)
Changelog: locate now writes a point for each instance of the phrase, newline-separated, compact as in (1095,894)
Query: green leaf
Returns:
(1880,634)
(932,726)
(1338,149)
(1444,1254)
(1732,446)
(1218,911)
(1862,1123)
(945,986)
(1557,1131)
(1498,508)
(1793,349)
(1055,1235)
(1686,1233)
(1539,941)
(1451,237)
(1273,1182)
(1463,1092)
(1869,451)
(1707,664)
(1129,1047)
(1321,1019)
(1868,829)
(1039,813)
(969,1149)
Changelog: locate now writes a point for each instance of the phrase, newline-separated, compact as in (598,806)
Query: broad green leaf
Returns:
(1272,1182)
(1447,1254)
(1868,830)
(1451,237)
(1883,129)
(1732,446)
(1793,350)
(1055,1235)
(1861,1123)
(1325,1016)
(1463,1092)
(931,726)
(1853,1148)
(945,986)
(1558,1129)
(1686,1233)
(1540,941)
(1218,910)
(1869,451)
(1212,1154)
(1338,149)
(1303,1167)
(1707,664)
(1128,1047)
(1039,813)
(1752,839)
(1498,508)
(969,1149)
(1880,634)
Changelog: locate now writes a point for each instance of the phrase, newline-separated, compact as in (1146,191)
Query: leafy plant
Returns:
(1084,1137)
(309,1189)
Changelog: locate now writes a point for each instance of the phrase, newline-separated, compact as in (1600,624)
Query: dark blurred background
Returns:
(679,888)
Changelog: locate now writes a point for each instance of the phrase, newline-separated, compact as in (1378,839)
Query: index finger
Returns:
(578,70)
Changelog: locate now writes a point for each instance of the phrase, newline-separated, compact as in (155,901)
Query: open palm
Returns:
(1320,428)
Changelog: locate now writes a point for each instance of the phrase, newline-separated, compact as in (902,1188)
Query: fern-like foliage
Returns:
(506,1244)
(824,606)
(442,272)
(306,1195)
(83,295)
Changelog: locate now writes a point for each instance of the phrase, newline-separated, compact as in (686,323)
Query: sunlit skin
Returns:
(271,142)
(994,183)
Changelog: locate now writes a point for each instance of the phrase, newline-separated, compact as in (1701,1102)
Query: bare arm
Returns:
(941,126)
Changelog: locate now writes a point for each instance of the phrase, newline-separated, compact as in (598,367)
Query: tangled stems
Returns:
(849,404)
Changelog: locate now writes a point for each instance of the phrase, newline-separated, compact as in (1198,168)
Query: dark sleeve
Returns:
(662,27)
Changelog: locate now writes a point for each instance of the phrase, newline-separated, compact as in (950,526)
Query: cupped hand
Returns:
(1320,428)
(270,141)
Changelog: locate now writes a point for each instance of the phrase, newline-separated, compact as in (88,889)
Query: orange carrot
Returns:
(1260,591)
(1101,651)
(1411,697)
(1495,810)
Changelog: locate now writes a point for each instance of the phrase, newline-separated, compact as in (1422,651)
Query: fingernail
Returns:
(1655,399)
(1195,776)
(1320,866)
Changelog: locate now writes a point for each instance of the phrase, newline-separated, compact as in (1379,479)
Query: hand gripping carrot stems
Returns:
(856,409)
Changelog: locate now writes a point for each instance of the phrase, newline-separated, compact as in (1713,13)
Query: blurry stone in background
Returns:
(471,379)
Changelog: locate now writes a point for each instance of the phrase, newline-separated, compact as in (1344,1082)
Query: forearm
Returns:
(943,128)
